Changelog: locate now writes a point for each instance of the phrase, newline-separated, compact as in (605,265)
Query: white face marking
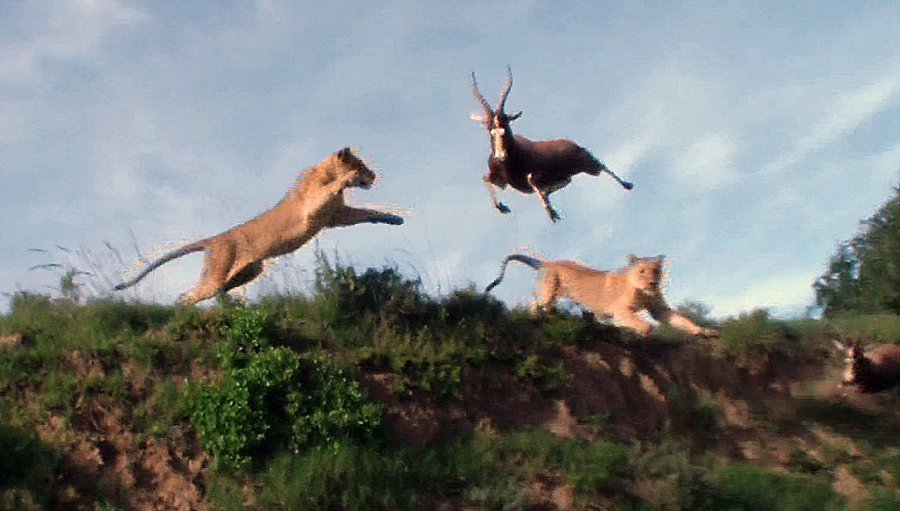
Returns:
(848,372)
(497,143)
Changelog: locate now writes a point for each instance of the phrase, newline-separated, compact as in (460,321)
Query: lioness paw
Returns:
(392,220)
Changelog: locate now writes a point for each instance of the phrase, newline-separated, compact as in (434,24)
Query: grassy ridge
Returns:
(271,392)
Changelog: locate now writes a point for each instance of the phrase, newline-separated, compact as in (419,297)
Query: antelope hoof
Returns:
(554,216)
(502,208)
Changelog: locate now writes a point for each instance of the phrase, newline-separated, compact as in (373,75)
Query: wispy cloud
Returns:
(707,164)
(64,30)
(841,116)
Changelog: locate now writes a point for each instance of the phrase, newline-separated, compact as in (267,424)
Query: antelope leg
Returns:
(545,199)
(497,204)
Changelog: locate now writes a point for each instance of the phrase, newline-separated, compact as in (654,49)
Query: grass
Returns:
(27,471)
(272,391)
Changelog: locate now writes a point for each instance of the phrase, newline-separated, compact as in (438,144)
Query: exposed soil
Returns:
(760,410)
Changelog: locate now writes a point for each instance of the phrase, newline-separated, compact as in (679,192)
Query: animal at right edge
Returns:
(620,294)
(530,166)
(870,370)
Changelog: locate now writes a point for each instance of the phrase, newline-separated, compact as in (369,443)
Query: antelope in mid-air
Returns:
(529,166)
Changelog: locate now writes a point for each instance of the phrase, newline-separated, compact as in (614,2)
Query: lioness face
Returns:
(646,276)
(362,176)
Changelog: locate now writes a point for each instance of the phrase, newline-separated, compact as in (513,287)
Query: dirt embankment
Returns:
(739,407)
(759,409)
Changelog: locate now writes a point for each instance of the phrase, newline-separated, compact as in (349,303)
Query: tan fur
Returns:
(621,294)
(315,202)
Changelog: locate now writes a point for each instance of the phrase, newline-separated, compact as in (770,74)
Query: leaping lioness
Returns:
(315,202)
(620,294)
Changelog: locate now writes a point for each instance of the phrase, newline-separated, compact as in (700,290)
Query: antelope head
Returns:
(496,120)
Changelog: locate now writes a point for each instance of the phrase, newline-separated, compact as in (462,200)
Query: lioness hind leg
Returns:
(214,275)
(245,275)
(547,292)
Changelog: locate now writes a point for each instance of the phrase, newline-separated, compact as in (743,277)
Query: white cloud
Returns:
(707,164)
(842,115)
(73,29)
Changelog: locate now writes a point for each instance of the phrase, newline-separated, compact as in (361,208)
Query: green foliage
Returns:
(880,499)
(28,466)
(346,296)
(745,487)
(751,333)
(874,328)
(273,396)
(863,276)
(548,376)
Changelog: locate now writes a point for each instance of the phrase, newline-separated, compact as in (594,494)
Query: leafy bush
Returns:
(548,376)
(880,500)
(744,487)
(385,293)
(28,465)
(875,328)
(751,333)
(274,396)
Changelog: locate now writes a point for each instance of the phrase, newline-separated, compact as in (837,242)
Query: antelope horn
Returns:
(506,87)
(484,104)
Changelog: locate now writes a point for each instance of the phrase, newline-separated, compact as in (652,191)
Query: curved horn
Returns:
(506,87)
(484,104)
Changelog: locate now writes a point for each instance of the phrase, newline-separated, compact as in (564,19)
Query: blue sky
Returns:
(757,134)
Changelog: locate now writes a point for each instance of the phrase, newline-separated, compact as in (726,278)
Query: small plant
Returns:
(274,396)
(751,333)
(549,377)
(746,487)
(28,468)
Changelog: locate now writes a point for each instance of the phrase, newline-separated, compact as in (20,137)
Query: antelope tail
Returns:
(175,254)
(537,264)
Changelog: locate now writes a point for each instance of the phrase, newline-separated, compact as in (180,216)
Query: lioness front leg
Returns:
(636,323)
(352,216)
(662,313)
(682,323)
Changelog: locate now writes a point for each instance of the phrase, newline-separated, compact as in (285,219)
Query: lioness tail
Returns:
(537,264)
(175,254)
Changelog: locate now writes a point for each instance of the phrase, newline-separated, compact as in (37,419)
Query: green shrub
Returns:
(880,499)
(751,333)
(598,467)
(745,487)
(869,328)
(28,465)
(344,296)
(549,377)
(275,397)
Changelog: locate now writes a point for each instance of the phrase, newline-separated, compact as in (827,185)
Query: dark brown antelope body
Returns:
(530,166)
(875,371)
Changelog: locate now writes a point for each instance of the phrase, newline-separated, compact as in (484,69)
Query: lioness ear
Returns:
(343,153)
(632,258)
